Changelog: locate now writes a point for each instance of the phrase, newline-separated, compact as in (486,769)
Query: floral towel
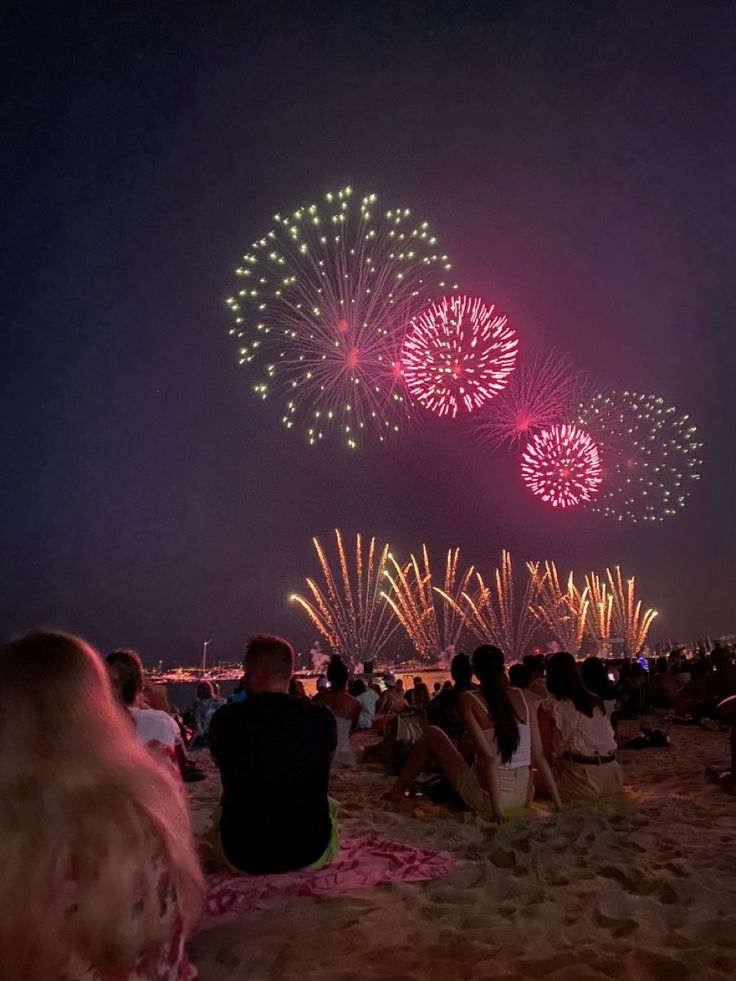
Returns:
(362,861)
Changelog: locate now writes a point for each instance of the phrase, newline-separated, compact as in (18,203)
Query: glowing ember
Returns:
(458,354)
(562,466)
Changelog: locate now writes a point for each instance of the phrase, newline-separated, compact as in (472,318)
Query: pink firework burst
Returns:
(562,465)
(541,392)
(458,354)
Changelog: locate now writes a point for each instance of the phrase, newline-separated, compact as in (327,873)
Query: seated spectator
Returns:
(344,707)
(420,695)
(727,714)
(100,876)
(392,699)
(577,734)
(503,729)
(273,752)
(442,711)
(519,676)
(595,678)
(664,687)
(721,682)
(368,701)
(156,730)
(536,664)
(436,689)
(632,689)
(204,708)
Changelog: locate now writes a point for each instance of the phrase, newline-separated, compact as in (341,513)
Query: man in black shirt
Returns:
(274,755)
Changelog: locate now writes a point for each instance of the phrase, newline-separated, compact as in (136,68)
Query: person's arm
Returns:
(546,725)
(539,759)
(485,760)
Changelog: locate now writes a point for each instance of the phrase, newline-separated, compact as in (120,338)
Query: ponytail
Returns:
(488,668)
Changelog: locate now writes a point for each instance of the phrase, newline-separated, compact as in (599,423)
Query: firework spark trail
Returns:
(458,354)
(541,392)
(323,305)
(600,610)
(629,622)
(413,598)
(563,612)
(650,455)
(562,466)
(499,613)
(351,616)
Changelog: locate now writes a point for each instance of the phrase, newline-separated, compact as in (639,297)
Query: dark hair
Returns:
(205,690)
(595,678)
(519,676)
(564,681)
(535,662)
(337,673)
(461,671)
(359,687)
(275,656)
(488,667)
(126,675)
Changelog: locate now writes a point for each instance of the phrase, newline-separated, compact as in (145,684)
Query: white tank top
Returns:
(522,755)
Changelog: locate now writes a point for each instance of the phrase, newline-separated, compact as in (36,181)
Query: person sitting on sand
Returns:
(727,714)
(208,702)
(156,730)
(344,707)
(595,678)
(368,701)
(577,733)
(419,695)
(503,729)
(443,711)
(100,876)
(663,685)
(392,699)
(273,752)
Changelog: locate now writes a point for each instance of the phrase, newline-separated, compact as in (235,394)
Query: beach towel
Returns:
(362,861)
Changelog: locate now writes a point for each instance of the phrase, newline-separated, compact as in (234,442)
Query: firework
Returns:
(630,622)
(563,612)
(540,392)
(321,312)
(650,455)
(500,613)
(348,611)
(433,625)
(600,610)
(562,466)
(458,354)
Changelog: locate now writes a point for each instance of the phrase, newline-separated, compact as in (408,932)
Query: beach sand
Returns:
(645,892)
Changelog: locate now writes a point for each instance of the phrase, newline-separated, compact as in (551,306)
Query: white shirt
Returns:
(153,725)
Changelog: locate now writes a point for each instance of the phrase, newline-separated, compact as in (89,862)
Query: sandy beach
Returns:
(645,892)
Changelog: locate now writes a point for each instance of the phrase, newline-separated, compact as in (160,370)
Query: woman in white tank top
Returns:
(505,740)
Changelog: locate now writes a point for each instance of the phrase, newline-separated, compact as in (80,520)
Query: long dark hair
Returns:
(564,681)
(487,663)
(337,673)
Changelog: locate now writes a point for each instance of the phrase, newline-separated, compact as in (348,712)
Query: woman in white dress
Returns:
(344,707)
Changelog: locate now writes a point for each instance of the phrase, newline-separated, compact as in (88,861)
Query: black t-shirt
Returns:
(273,752)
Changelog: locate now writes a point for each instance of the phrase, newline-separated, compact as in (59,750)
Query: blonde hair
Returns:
(84,811)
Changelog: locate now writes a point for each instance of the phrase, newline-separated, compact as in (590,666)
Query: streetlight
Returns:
(205,645)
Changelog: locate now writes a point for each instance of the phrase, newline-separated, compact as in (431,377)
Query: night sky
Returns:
(576,160)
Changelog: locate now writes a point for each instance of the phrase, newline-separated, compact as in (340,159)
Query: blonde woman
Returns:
(99,880)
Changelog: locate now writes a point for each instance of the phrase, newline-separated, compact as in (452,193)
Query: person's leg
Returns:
(433,745)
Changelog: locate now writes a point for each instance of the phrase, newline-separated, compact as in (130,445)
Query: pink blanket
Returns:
(362,861)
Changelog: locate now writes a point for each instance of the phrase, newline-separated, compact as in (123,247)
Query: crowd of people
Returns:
(96,839)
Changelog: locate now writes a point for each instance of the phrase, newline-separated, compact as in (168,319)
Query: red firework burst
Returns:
(458,354)
(562,465)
